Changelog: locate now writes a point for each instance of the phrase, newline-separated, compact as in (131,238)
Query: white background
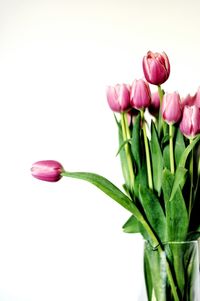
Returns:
(63,241)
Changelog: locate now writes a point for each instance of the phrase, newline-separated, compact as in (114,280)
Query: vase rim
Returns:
(177,242)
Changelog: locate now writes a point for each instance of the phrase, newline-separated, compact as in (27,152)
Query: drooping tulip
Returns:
(171,108)
(140,94)
(47,170)
(190,123)
(156,67)
(118,97)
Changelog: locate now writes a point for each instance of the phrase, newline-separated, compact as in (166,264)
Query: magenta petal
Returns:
(47,170)
(156,67)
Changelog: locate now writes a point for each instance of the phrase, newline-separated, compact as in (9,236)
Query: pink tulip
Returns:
(188,101)
(197,98)
(190,123)
(47,170)
(192,100)
(156,67)
(171,108)
(140,94)
(155,103)
(119,97)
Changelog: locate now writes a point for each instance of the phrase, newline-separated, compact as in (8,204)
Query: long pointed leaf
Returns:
(135,143)
(181,171)
(131,226)
(187,151)
(179,146)
(157,159)
(123,158)
(122,145)
(154,212)
(176,211)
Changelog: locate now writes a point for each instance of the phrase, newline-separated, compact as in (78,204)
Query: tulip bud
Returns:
(47,170)
(155,103)
(140,94)
(118,97)
(171,108)
(190,123)
(156,67)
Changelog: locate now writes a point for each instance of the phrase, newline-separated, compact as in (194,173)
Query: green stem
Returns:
(191,180)
(171,282)
(156,243)
(171,148)
(126,136)
(147,152)
(160,92)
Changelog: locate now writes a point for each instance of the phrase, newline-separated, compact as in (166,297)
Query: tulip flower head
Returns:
(197,98)
(156,67)
(140,94)
(188,101)
(171,108)
(47,170)
(118,97)
(190,123)
(155,103)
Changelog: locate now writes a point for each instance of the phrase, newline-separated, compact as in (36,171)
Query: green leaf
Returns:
(122,146)
(165,139)
(179,146)
(175,208)
(181,171)
(167,183)
(147,275)
(141,178)
(179,180)
(131,226)
(135,143)
(157,159)
(153,212)
(175,256)
(187,151)
(166,157)
(123,159)
(155,273)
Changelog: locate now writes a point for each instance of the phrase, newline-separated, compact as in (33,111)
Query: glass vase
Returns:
(172,271)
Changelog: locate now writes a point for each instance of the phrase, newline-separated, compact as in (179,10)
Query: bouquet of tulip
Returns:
(159,151)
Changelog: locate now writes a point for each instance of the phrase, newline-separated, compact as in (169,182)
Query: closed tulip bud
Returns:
(156,67)
(47,170)
(190,123)
(171,108)
(140,94)
(118,97)
(155,103)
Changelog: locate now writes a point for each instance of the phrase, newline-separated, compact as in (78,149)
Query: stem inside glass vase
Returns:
(182,259)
